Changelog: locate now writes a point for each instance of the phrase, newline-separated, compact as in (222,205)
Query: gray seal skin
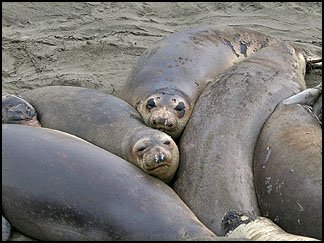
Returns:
(288,170)
(216,148)
(57,186)
(108,122)
(6,229)
(169,76)
(16,110)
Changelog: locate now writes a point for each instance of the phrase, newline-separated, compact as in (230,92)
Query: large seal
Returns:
(217,146)
(16,110)
(288,169)
(57,187)
(108,122)
(169,76)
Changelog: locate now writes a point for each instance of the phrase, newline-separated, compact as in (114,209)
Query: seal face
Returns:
(16,110)
(166,112)
(157,155)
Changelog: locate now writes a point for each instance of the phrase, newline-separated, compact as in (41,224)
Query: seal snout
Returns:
(163,118)
(159,158)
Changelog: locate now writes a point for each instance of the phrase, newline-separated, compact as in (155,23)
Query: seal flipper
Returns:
(244,225)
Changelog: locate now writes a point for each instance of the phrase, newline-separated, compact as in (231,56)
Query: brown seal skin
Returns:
(16,110)
(169,76)
(108,122)
(288,170)
(216,148)
(59,187)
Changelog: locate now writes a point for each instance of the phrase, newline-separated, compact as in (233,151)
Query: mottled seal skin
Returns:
(16,110)
(108,122)
(59,187)
(169,76)
(217,145)
(288,170)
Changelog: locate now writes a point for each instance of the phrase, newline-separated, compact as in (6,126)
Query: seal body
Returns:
(168,78)
(16,110)
(215,172)
(108,122)
(288,170)
(59,187)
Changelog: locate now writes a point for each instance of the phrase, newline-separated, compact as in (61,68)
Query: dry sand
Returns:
(95,44)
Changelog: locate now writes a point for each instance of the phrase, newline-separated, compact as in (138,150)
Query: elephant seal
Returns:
(59,187)
(215,172)
(288,169)
(256,228)
(108,122)
(169,76)
(16,110)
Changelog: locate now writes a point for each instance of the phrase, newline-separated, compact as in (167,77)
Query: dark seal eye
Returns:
(150,104)
(142,148)
(180,108)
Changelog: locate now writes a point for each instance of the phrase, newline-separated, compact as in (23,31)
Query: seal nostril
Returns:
(159,158)
(162,157)
(167,142)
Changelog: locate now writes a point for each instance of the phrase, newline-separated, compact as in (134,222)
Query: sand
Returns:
(95,44)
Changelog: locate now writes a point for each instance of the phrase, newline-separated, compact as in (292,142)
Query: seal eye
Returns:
(167,142)
(142,148)
(180,106)
(150,104)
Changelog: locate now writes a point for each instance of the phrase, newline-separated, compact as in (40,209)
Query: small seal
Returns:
(108,122)
(169,76)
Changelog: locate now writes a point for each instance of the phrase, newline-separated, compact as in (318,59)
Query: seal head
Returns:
(16,110)
(166,111)
(155,153)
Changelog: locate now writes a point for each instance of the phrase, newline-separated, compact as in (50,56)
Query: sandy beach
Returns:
(95,44)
